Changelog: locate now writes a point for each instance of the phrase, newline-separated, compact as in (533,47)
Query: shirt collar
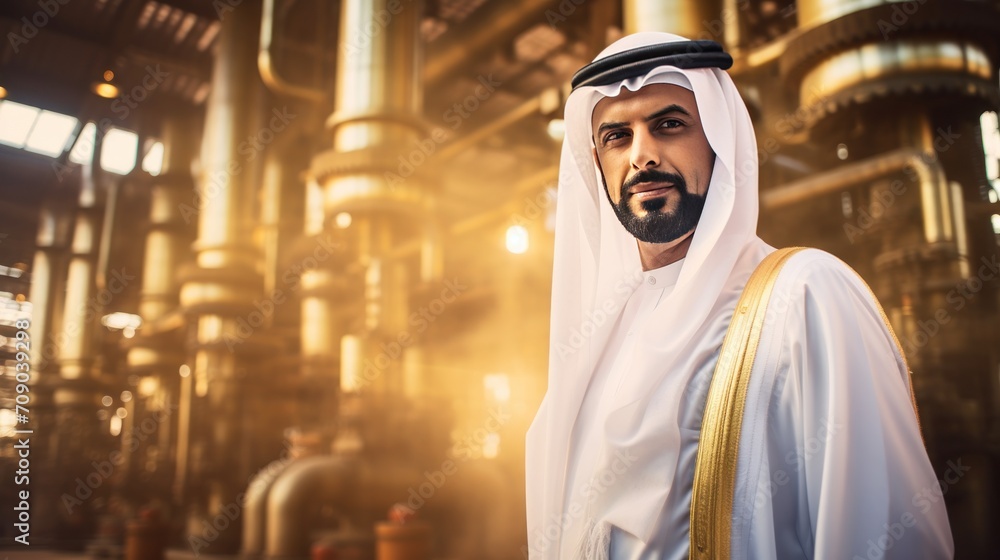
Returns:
(662,277)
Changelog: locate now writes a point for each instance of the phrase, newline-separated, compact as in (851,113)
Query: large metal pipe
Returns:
(265,62)
(688,18)
(48,276)
(165,240)
(152,353)
(813,13)
(488,26)
(375,118)
(961,233)
(298,445)
(303,485)
(76,357)
(365,491)
(934,189)
(224,284)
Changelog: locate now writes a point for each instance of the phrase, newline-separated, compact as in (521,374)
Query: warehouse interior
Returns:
(287,264)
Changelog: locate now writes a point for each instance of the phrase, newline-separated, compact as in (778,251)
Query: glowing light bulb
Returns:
(517,239)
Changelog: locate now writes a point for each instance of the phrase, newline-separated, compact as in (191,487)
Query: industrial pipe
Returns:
(683,17)
(489,26)
(934,189)
(362,488)
(265,62)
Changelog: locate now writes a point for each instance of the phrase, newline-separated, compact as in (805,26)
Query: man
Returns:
(655,242)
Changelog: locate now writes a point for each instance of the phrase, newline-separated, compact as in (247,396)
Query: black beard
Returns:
(656,227)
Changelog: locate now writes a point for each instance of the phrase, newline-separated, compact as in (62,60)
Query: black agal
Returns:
(638,61)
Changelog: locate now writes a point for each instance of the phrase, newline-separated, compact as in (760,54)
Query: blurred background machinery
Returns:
(287,263)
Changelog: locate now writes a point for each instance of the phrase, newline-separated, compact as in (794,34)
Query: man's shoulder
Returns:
(819,275)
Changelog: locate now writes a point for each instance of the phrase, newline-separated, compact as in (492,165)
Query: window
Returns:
(15,123)
(83,150)
(991,147)
(153,162)
(119,151)
(35,130)
(50,134)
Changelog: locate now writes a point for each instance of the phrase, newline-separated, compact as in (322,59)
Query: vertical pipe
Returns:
(77,391)
(688,18)
(74,343)
(159,356)
(220,290)
(961,234)
(47,282)
(378,96)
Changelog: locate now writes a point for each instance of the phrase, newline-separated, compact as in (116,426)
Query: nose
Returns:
(644,153)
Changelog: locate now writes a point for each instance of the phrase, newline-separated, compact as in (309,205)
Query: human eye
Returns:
(612,136)
(671,123)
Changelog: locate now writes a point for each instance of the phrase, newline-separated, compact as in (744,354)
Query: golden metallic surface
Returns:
(74,343)
(164,251)
(269,226)
(47,283)
(882,60)
(145,357)
(371,192)
(687,18)
(318,324)
(196,294)
(816,12)
(378,68)
(351,363)
(183,448)
(225,182)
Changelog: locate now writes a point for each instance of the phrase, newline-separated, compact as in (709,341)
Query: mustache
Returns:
(653,176)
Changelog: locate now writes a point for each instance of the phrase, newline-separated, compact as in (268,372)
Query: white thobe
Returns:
(831,463)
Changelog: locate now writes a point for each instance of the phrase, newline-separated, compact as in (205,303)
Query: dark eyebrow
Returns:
(672,108)
(609,126)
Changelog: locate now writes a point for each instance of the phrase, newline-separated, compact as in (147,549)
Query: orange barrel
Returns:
(145,538)
(324,550)
(345,546)
(403,541)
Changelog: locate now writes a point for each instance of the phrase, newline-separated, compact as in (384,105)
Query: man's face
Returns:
(655,160)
